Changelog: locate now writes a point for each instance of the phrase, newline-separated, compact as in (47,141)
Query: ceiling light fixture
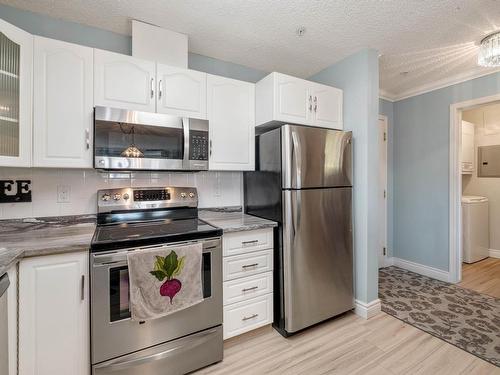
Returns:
(489,51)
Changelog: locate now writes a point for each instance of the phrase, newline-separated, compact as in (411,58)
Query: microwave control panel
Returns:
(198,145)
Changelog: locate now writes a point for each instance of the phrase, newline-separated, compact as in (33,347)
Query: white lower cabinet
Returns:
(54,315)
(12,321)
(245,316)
(248,281)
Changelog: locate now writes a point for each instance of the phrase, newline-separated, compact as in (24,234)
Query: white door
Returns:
(293,102)
(62,104)
(16,64)
(382,141)
(327,106)
(231,114)
(181,92)
(122,81)
(54,315)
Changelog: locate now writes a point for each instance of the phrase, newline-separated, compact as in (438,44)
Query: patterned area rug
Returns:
(462,317)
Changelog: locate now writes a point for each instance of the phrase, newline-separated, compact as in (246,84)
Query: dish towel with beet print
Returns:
(164,280)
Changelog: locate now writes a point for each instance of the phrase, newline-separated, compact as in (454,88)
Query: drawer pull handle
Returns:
(249,242)
(250,265)
(249,289)
(250,317)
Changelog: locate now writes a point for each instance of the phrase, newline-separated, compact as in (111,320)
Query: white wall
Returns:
(215,189)
(484,186)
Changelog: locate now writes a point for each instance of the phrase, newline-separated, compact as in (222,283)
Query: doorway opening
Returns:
(475,195)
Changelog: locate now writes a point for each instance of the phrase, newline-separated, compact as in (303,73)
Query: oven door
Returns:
(114,334)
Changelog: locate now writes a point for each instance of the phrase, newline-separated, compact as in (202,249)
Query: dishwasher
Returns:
(4,337)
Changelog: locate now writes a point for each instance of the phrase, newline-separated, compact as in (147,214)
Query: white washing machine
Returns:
(475,228)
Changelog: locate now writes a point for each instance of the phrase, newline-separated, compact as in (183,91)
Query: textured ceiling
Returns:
(432,40)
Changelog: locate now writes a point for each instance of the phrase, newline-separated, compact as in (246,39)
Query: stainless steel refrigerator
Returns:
(303,180)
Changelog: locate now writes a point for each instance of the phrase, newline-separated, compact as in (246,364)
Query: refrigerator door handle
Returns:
(297,155)
(298,211)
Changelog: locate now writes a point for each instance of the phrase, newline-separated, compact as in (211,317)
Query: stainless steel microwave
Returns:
(133,140)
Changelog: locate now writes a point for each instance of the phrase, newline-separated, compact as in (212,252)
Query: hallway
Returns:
(482,276)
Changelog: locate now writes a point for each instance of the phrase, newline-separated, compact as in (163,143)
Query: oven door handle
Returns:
(120,364)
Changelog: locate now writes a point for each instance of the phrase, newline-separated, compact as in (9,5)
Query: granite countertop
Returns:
(22,238)
(43,236)
(234,220)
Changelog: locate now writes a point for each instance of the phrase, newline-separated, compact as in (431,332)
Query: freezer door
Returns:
(315,157)
(317,255)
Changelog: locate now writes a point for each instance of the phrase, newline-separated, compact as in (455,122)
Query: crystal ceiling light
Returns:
(489,51)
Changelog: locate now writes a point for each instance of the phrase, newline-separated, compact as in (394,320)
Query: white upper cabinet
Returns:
(467,154)
(16,64)
(291,99)
(231,113)
(62,104)
(54,315)
(326,106)
(181,92)
(283,98)
(122,81)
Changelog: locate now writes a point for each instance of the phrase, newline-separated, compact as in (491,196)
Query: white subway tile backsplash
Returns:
(215,189)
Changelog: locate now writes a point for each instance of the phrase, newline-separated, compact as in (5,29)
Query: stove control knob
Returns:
(126,196)
(117,197)
(191,195)
(106,197)
(183,195)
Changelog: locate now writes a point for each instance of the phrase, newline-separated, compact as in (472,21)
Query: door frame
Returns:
(384,259)
(455,183)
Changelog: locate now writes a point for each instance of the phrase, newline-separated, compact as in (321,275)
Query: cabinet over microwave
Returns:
(133,140)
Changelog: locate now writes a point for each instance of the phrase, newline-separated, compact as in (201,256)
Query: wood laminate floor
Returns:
(482,276)
(347,345)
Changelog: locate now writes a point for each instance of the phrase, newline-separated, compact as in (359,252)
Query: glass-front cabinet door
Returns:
(16,50)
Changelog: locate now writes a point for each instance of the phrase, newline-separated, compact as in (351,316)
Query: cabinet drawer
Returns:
(247,287)
(248,315)
(247,264)
(247,241)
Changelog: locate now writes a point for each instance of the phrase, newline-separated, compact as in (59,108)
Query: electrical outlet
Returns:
(63,193)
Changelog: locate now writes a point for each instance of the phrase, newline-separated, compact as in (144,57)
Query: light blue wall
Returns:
(357,75)
(67,31)
(421,168)
(98,38)
(386,108)
(224,68)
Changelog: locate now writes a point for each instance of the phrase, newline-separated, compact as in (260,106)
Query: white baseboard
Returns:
(389,261)
(367,310)
(435,273)
(494,253)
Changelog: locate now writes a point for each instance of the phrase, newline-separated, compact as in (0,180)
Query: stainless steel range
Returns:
(133,219)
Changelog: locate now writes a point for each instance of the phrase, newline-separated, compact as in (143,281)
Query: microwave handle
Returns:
(185,125)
